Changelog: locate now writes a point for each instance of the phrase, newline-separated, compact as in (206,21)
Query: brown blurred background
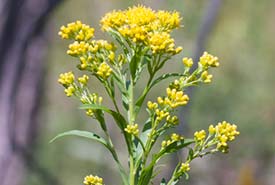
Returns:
(33,108)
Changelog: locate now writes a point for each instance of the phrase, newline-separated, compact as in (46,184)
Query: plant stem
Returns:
(131,119)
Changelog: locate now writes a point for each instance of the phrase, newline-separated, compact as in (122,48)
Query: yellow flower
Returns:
(168,20)
(188,62)
(113,19)
(173,120)
(132,129)
(212,130)
(173,138)
(161,114)
(78,48)
(200,135)
(69,91)
(161,42)
(77,31)
(185,167)
(207,60)
(111,56)
(206,78)
(83,80)
(104,70)
(141,24)
(175,98)
(152,105)
(90,112)
(93,180)
(225,132)
(66,79)
(178,50)
(140,15)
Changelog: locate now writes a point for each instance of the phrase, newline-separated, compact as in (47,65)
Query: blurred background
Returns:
(33,107)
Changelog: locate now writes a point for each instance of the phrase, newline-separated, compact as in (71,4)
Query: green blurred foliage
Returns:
(242,91)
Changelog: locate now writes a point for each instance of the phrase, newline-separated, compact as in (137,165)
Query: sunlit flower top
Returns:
(140,24)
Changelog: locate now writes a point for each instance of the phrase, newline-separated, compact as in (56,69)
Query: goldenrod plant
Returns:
(142,44)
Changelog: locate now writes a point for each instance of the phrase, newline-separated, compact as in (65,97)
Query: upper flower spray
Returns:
(140,24)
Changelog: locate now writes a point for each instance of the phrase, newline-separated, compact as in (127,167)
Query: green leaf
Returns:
(112,85)
(80,133)
(100,117)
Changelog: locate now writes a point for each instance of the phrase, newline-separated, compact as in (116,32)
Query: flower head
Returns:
(66,79)
(77,31)
(104,70)
(161,42)
(185,167)
(188,62)
(200,135)
(93,180)
(83,80)
(141,24)
(207,60)
(173,138)
(225,132)
(132,129)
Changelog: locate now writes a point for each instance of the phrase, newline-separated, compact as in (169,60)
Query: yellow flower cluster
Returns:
(161,42)
(162,108)
(67,80)
(78,48)
(143,25)
(174,98)
(93,54)
(161,114)
(173,138)
(185,167)
(132,129)
(77,31)
(83,80)
(79,89)
(93,180)
(225,132)
(188,62)
(221,134)
(200,135)
(151,105)
(167,20)
(206,78)
(70,91)
(173,120)
(207,60)
(104,70)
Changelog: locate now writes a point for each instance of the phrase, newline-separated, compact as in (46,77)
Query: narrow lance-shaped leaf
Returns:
(85,134)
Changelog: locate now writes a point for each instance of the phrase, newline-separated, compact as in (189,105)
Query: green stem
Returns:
(131,119)
(132,171)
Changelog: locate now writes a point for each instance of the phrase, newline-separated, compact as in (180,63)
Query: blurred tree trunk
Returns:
(22,47)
